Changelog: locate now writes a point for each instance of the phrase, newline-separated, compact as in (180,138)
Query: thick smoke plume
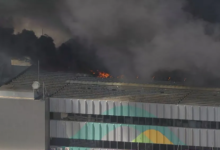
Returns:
(142,37)
(130,37)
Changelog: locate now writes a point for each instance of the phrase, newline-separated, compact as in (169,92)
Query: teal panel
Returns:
(104,129)
(132,111)
(128,111)
(118,110)
(125,111)
(139,112)
(97,131)
(90,131)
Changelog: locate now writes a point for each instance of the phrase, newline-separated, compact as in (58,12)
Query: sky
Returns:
(132,37)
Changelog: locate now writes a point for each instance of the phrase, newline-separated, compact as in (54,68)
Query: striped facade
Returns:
(132,133)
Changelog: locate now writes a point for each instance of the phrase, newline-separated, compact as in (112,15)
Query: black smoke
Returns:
(119,41)
(70,56)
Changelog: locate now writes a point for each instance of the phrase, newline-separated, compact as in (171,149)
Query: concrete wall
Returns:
(22,124)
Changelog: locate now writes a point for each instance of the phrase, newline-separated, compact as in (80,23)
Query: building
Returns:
(80,112)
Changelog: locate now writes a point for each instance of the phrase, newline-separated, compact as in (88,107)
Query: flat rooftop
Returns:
(82,86)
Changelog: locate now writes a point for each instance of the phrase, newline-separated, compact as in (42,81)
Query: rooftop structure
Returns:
(82,86)
(88,112)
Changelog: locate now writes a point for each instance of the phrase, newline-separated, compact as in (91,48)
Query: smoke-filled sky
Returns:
(131,37)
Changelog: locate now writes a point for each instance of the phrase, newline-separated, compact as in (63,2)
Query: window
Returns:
(185,123)
(148,121)
(113,119)
(178,123)
(121,119)
(156,121)
(120,145)
(137,120)
(213,125)
(128,120)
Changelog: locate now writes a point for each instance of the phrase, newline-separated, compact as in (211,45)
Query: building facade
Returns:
(99,124)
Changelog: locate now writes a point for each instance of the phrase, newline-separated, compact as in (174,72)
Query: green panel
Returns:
(118,111)
(104,129)
(97,131)
(90,131)
(128,111)
(132,111)
(125,111)
(142,139)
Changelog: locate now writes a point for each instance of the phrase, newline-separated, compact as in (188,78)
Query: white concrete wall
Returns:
(22,124)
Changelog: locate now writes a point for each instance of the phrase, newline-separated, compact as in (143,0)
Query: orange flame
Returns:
(103,74)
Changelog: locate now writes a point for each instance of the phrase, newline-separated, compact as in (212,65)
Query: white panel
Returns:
(196,113)
(196,137)
(217,114)
(189,135)
(203,135)
(176,133)
(174,111)
(111,105)
(61,128)
(62,105)
(125,134)
(203,111)
(83,106)
(189,112)
(182,134)
(153,109)
(119,134)
(76,128)
(118,106)
(167,111)
(217,137)
(160,110)
(111,135)
(132,133)
(53,128)
(125,111)
(68,106)
(182,112)
(90,107)
(97,107)
(211,140)
(211,114)
(54,105)
(103,106)
(69,132)
(76,106)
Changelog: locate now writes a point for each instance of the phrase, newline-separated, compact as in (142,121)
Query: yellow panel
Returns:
(157,137)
